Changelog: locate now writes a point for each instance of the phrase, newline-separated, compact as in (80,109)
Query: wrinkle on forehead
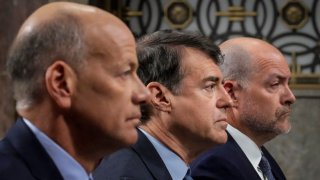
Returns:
(265,57)
(272,61)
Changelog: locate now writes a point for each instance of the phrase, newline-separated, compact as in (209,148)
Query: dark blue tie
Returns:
(188,175)
(266,168)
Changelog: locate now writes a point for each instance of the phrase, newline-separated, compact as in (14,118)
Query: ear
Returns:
(159,96)
(60,83)
(231,88)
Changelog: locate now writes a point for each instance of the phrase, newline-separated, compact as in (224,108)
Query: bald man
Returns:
(73,69)
(256,78)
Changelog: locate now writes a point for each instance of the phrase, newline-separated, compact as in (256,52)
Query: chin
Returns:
(131,138)
(287,130)
(285,127)
(221,139)
(224,140)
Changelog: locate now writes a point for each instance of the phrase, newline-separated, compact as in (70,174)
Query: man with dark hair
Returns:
(186,112)
(256,78)
(78,94)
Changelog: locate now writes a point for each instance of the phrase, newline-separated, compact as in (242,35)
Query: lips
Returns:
(283,113)
(135,116)
(223,119)
(223,122)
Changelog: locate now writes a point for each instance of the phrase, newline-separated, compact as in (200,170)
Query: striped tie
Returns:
(266,168)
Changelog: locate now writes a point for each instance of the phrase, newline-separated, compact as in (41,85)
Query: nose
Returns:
(224,100)
(288,97)
(141,94)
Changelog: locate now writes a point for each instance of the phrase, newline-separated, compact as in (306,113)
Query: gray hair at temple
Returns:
(237,65)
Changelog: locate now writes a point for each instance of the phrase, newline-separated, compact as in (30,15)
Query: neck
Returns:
(259,138)
(56,128)
(163,134)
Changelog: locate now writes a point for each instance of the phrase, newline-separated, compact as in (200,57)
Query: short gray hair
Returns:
(31,54)
(237,64)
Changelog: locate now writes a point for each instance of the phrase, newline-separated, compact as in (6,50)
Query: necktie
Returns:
(188,175)
(90,177)
(266,168)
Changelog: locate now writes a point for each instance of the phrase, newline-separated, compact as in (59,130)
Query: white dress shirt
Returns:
(250,149)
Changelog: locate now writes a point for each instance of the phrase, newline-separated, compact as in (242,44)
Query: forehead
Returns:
(272,64)
(197,63)
(111,40)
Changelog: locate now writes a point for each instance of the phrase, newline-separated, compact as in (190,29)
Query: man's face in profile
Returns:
(109,90)
(199,105)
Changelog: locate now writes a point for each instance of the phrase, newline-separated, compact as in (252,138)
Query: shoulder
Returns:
(125,163)
(226,152)
(12,166)
(122,158)
(221,162)
(214,158)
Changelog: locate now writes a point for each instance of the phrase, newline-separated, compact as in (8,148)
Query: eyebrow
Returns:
(211,78)
(279,76)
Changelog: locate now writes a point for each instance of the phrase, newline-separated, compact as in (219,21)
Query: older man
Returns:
(73,69)
(256,78)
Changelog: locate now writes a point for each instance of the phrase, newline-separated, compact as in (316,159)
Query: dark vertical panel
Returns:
(12,15)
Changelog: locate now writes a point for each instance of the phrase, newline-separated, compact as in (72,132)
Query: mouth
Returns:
(223,122)
(284,114)
(134,116)
(222,119)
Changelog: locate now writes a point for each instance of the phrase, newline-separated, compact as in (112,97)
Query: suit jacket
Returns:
(140,162)
(228,162)
(23,157)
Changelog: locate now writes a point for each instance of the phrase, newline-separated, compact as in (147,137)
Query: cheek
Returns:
(207,116)
(104,105)
(249,108)
(258,103)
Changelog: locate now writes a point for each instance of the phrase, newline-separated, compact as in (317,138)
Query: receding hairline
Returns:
(250,50)
(54,11)
(85,16)
(238,61)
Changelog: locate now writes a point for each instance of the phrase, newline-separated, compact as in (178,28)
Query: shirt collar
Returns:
(175,165)
(68,167)
(250,149)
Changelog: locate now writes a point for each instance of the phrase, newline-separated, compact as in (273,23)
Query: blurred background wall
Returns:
(291,25)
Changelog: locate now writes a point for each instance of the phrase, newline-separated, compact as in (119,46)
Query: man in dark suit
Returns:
(78,94)
(256,78)
(185,115)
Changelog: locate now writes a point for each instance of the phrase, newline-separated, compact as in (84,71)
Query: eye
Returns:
(210,86)
(275,85)
(126,73)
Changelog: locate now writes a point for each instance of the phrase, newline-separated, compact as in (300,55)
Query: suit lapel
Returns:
(32,153)
(246,166)
(276,170)
(151,158)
